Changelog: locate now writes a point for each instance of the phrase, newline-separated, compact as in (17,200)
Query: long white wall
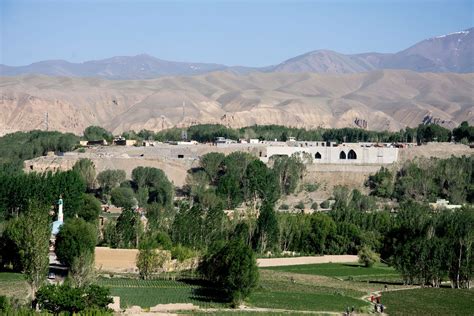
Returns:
(353,153)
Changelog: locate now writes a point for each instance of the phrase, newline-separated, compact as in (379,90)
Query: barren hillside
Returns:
(389,99)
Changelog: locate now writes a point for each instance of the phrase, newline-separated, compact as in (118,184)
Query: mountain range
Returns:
(377,100)
(447,53)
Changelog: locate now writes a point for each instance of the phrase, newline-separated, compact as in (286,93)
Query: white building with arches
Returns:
(347,153)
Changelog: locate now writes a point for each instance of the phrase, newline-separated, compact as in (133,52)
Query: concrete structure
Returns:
(329,153)
(442,204)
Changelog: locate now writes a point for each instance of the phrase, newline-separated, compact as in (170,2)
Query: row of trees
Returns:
(20,146)
(427,179)
(208,133)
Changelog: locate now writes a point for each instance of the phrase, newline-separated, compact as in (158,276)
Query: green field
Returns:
(147,293)
(282,293)
(13,285)
(344,271)
(429,301)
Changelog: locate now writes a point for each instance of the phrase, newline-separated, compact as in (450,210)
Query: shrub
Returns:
(311,187)
(325,204)
(367,256)
(4,304)
(284,207)
(300,205)
(64,298)
(315,206)
(182,253)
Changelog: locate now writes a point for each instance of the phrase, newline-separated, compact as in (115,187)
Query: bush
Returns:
(64,298)
(284,207)
(367,256)
(315,206)
(300,205)
(325,204)
(311,187)
(123,197)
(182,253)
(4,304)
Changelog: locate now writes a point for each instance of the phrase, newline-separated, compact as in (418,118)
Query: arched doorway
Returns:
(351,155)
(317,156)
(342,155)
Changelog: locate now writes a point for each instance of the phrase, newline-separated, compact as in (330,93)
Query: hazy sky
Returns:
(251,33)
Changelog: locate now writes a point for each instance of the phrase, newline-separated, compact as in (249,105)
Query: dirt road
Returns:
(274,262)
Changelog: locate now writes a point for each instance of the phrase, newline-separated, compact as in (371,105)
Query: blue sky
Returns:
(250,33)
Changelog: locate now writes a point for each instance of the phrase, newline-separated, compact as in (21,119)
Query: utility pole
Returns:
(46,121)
(184,104)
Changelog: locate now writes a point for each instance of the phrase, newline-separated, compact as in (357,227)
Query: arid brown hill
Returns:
(388,99)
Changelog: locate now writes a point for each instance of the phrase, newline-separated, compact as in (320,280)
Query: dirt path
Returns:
(275,262)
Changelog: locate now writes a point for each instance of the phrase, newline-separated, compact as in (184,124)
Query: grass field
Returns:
(345,271)
(295,294)
(429,301)
(147,293)
(13,285)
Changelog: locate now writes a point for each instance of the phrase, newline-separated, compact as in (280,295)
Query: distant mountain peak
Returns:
(465,32)
(452,52)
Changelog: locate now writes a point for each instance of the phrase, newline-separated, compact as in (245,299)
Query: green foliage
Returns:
(96,133)
(432,132)
(81,271)
(20,146)
(160,189)
(429,301)
(284,207)
(17,190)
(209,132)
(267,229)
(4,304)
(149,259)
(148,293)
(464,132)
(426,179)
(315,206)
(289,172)
(381,183)
(311,187)
(160,218)
(110,179)
(90,209)
(182,253)
(75,238)
(123,197)
(300,205)
(64,298)
(128,230)
(211,164)
(86,169)
(367,256)
(425,247)
(198,226)
(325,204)
(232,268)
(25,244)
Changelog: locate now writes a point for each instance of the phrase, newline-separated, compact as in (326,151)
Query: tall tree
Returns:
(110,179)
(75,238)
(233,268)
(86,168)
(34,245)
(267,228)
